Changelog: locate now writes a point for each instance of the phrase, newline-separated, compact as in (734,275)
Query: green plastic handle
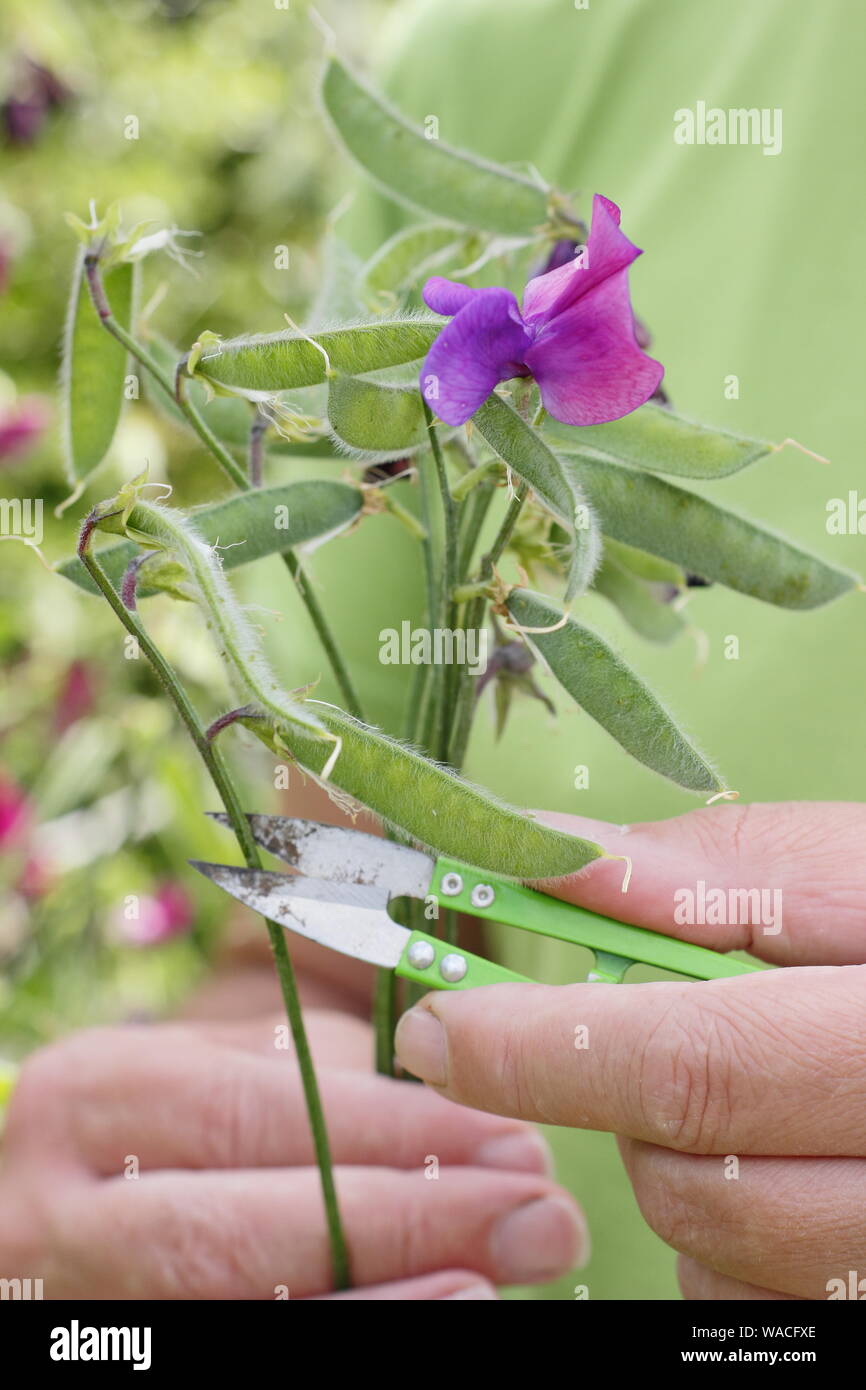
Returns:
(469,970)
(616,944)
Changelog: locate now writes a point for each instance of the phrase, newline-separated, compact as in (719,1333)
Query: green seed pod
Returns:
(230,417)
(285,361)
(644,565)
(427,173)
(652,514)
(553,480)
(266,521)
(649,616)
(407,258)
(662,442)
(94,370)
(611,692)
(437,808)
(163,529)
(337,298)
(376,420)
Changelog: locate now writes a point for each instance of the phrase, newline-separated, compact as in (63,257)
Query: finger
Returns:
(785,881)
(702,1285)
(336,1039)
(458,1284)
(763,1063)
(259,1234)
(166,1098)
(789,1224)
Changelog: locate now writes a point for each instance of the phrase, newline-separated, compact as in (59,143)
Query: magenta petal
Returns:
(587,363)
(484,344)
(446,296)
(607,252)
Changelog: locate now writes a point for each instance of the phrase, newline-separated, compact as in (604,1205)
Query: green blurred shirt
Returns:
(750,269)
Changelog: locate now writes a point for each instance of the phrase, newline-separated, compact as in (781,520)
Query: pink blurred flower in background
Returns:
(162,915)
(22,423)
(76,696)
(15,818)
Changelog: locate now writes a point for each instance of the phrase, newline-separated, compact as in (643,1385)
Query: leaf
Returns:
(94,370)
(437,808)
(610,691)
(427,173)
(245,528)
(376,418)
(650,617)
(406,258)
(552,480)
(707,540)
(284,361)
(663,442)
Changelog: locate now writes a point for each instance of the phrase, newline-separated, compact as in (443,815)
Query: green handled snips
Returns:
(339,898)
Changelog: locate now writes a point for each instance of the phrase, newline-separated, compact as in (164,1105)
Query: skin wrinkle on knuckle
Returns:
(764,1229)
(231,1120)
(661,1205)
(675,1200)
(512,1073)
(414,1234)
(685,1080)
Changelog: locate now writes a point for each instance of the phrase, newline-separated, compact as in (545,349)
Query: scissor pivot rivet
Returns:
(421,955)
(452,967)
(482,895)
(452,884)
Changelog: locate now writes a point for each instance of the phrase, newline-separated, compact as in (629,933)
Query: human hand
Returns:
(741,1102)
(174,1162)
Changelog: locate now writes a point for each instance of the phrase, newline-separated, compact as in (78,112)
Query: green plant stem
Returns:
(326,637)
(385,1020)
(474,513)
(503,536)
(449,510)
(230,467)
(464,709)
(228,793)
(448,613)
(416,702)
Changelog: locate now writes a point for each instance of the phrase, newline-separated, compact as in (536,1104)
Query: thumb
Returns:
(786,881)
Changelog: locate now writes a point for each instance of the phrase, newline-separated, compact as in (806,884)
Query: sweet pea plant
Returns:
(454,406)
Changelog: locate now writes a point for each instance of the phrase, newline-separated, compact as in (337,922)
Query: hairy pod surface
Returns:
(604,685)
(437,808)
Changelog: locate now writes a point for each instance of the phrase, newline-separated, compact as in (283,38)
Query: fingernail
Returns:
(538,1241)
(420,1045)
(474,1291)
(523,1151)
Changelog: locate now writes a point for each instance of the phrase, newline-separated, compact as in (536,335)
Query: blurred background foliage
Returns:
(751,269)
(100,798)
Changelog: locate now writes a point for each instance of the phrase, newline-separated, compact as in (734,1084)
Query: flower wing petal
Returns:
(485,343)
(446,296)
(587,363)
(607,252)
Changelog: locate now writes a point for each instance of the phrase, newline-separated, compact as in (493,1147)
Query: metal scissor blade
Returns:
(341,855)
(348,917)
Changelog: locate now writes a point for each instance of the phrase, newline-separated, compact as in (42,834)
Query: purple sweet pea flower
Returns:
(575,336)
